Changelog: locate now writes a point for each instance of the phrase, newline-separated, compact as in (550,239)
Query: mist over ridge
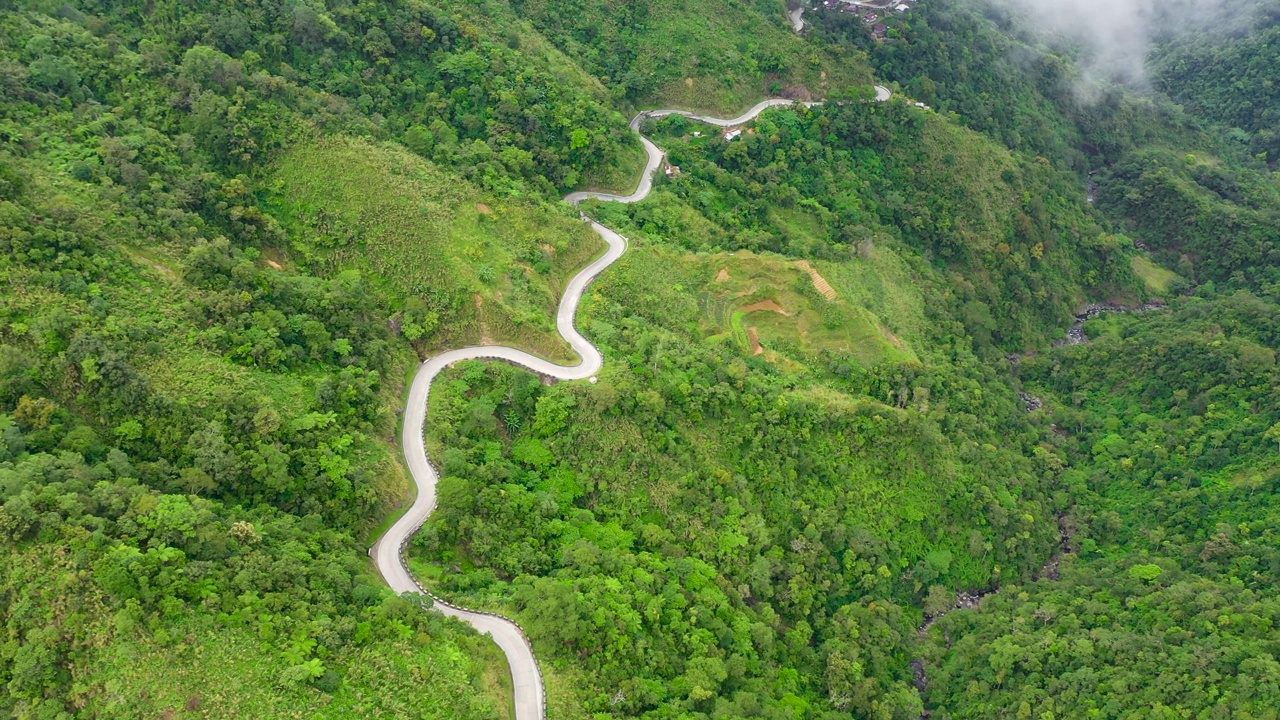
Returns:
(1115,37)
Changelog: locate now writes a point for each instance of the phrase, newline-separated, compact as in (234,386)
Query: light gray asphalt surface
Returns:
(797,19)
(526,676)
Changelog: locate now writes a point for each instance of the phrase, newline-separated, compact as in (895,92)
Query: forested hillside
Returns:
(1013,239)
(1230,77)
(1184,174)
(711,55)
(1167,600)
(144,230)
(837,386)
(716,530)
(202,363)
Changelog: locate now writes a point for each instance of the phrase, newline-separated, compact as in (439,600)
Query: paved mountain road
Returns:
(387,553)
(797,18)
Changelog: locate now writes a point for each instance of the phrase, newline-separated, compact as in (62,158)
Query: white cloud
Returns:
(1115,36)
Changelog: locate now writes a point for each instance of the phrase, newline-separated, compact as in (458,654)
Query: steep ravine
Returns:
(967,600)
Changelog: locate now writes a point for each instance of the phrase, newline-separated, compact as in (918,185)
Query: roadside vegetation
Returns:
(1011,236)
(462,266)
(198,388)
(715,56)
(831,400)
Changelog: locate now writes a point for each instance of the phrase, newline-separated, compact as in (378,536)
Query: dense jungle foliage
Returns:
(1189,181)
(1167,603)
(228,231)
(835,182)
(179,331)
(1230,76)
(715,55)
(707,533)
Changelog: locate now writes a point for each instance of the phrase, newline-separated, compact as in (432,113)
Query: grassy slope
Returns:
(195,666)
(972,166)
(662,278)
(962,202)
(621,179)
(222,672)
(229,672)
(151,293)
(725,294)
(1156,278)
(424,232)
(187,373)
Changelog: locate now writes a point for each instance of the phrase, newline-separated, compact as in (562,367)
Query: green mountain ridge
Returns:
(230,231)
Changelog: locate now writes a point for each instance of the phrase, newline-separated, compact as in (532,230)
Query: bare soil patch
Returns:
(819,283)
(754,337)
(769,305)
(891,337)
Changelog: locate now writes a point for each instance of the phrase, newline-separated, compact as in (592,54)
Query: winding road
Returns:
(797,18)
(388,552)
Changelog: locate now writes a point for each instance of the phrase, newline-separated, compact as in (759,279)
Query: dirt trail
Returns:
(768,305)
(819,283)
(485,338)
